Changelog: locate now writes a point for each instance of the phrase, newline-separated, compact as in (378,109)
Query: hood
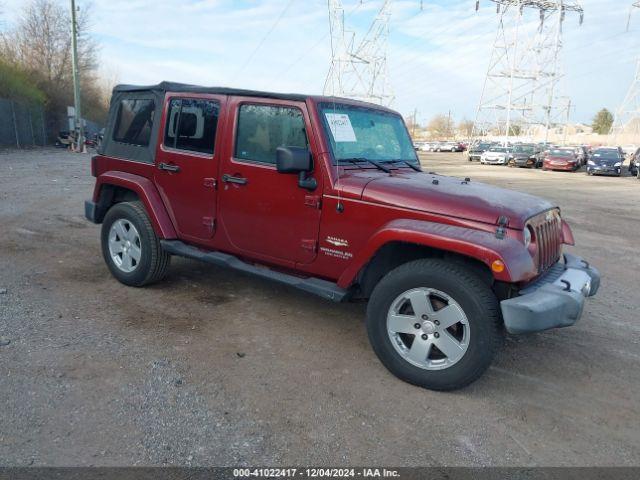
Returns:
(453,197)
(605,161)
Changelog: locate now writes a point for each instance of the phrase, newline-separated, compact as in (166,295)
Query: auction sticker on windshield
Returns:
(341,128)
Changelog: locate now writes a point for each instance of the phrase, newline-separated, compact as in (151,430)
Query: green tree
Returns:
(16,84)
(602,122)
(515,130)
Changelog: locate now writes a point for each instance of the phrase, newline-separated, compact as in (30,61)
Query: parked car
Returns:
(63,140)
(449,147)
(634,163)
(605,161)
(474,152)
(561,159)
(328,196)
(581,154)
(525,155)
(495,156)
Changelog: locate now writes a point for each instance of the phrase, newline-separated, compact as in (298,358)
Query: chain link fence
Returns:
(21,124)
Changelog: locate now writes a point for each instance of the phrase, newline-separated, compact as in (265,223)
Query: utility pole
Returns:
(76,79)
(413,124)
(566,123)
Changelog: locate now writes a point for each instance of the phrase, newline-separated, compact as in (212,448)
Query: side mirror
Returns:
(296,160)
(293,160)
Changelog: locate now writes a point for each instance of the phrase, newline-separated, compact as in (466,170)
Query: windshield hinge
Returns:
(313,201)
(309,244)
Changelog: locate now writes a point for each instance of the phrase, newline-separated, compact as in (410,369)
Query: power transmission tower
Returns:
(359,70)
(524,70)
(627,117)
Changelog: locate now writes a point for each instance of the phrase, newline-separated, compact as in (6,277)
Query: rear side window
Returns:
(264,128)
(134,122)
(192,124)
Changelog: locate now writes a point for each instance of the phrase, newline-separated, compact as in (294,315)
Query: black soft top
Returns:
(184,87)
(156,95)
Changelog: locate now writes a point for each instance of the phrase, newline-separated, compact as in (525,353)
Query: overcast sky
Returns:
(438,55)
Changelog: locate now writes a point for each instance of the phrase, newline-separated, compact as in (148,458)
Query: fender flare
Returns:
(148,195)
(476,244)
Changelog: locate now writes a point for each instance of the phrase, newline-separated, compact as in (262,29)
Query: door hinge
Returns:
(210,223)
(210,183)
(313,201)
(310,244)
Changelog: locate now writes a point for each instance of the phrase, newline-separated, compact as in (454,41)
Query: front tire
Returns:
(130,246)
(434,324)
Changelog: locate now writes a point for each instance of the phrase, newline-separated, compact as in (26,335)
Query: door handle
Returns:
(168,167)
(231,179)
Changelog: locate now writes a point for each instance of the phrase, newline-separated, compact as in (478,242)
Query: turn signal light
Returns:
(497,266)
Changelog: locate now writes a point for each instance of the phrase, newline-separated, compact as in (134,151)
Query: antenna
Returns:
(359,71)
(524,69)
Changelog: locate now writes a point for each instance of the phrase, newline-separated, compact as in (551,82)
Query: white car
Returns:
(495,156)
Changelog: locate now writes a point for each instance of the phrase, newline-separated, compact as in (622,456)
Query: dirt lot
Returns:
(214,368)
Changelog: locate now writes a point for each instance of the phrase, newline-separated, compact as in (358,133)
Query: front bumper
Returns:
(602,170)
(523,162)
(92,211)
(564,167)
(494,161)
(554,300)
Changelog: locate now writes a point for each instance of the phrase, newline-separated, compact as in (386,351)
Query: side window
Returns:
(134,122)
(191,125)
(263,128)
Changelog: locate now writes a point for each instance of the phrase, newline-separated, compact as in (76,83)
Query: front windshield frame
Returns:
(409,155)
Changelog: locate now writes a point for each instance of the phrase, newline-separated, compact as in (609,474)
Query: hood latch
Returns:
(501,231)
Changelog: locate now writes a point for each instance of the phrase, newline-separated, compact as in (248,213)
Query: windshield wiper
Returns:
(406,162)
(357,160)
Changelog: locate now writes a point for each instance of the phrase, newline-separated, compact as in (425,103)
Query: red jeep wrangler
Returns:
(327,195)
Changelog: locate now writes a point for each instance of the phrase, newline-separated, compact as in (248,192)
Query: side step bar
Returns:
(316,286)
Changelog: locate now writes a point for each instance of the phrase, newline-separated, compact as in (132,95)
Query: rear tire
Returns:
(463,350)
(130,246)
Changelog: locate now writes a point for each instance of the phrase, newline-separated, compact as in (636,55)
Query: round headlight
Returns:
(527,237)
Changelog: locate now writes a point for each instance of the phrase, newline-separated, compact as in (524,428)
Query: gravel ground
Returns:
(211,367)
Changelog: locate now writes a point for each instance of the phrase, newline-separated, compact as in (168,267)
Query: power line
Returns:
(262,40)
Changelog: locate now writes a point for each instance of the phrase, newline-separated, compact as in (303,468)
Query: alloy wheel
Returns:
(428,328)
(124,245)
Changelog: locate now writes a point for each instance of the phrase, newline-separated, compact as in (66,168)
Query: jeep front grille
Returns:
(547,229)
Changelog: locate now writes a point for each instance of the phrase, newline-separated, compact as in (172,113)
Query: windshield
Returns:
(561,153)
(498,149)
(357,132)
(606,155)
(523,149)
(483,146)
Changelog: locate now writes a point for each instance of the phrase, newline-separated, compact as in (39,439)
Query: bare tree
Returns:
(440,127)
(40,44)
(465,128)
